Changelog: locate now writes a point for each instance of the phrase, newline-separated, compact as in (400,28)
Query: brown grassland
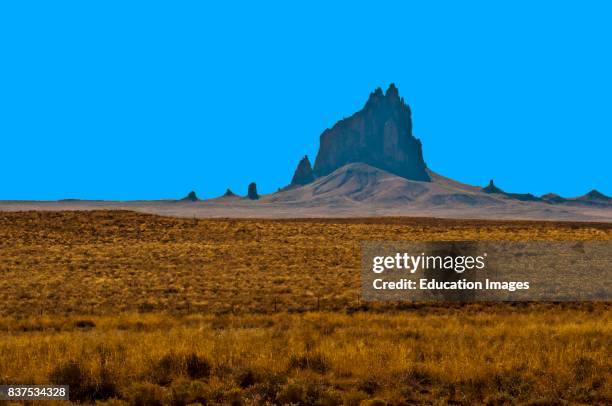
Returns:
(131,308)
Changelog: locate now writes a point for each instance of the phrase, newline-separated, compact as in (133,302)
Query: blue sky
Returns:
(146,100)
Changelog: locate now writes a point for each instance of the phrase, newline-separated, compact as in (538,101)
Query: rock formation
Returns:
(229,193)
(379,135)
(303,174)
(191,197)
(491,188)
(526,197)
(252,193)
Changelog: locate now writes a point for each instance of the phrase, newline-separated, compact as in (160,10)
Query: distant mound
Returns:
(595,196)
(553,198)
(362,183)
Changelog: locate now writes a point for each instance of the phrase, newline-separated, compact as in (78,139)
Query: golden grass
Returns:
(151,310)
(111,261)
(495,354)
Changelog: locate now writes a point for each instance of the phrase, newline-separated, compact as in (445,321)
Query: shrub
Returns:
(417,379)
(269,387)
(184,392)
(247,377)
(71,373)
(82,386)
(198,367)
(369,385)
(512,383)
(84,324)
(234,397)
(292,393)
(103,388)
(583,368)
(169,366)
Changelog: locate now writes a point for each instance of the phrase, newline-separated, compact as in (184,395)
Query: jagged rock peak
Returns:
(375,96)
(229,193)
(379,135)
(252,192)
(391,96)
(191,197)
(303,174)
(392,92)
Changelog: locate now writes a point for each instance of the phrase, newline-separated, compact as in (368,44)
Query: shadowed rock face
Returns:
(229,193)
(379,135)
(252,193)
(303,174)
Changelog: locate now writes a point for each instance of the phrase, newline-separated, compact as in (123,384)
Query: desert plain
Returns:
(142,309)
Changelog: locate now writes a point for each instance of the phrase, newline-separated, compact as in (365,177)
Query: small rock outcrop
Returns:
(379,135)
(525,197)
(303,174)
(491,188)
(229,193)
(191,197)
(252,192)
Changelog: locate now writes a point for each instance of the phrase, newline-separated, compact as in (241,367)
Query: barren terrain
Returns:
(355,190)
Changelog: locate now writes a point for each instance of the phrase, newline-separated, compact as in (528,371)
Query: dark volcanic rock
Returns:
(303,174)
(491,188)
(191,197)
(229,193)
(252,194)
(379,135)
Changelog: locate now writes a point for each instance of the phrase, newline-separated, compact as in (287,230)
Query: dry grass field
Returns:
(147,310)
